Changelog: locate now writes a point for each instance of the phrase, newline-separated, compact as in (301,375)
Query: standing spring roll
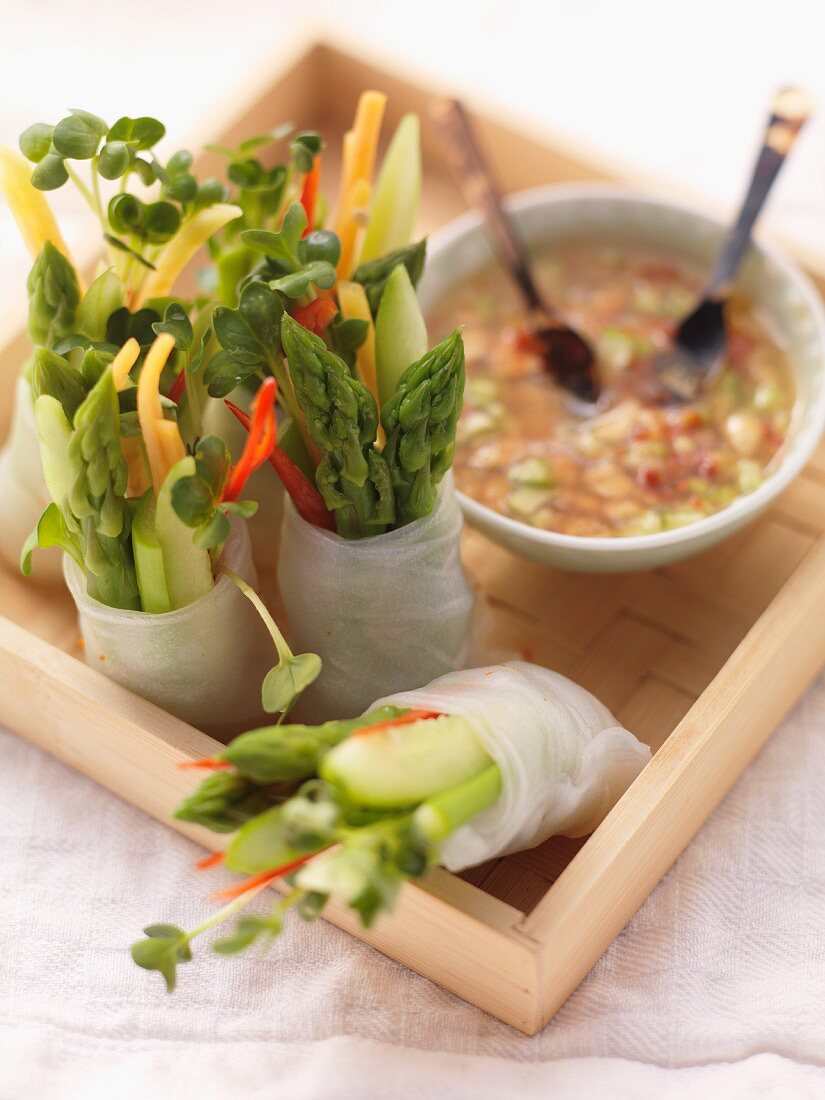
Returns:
(148,530)
(475,765)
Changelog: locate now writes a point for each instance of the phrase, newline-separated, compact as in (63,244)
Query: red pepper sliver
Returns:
(263,878)
(258,447)
(210,763)
(210,861)
(305,496)
(316,315)
(309,193)
(405,720)
(178,387)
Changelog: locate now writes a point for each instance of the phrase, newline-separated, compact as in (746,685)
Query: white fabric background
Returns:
(718,985)
(723,967)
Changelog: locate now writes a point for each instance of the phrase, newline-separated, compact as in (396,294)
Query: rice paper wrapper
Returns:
(383,613)
(564,759)
(23,492)
(203,663)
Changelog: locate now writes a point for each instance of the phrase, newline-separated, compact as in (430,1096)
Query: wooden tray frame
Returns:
(701,659)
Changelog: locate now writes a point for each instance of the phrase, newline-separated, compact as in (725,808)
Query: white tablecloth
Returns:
(717,984)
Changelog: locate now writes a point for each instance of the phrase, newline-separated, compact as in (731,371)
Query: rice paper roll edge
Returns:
(382,612)
(203,663)
(564,759)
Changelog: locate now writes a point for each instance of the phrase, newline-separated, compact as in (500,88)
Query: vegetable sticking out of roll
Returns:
(475,765)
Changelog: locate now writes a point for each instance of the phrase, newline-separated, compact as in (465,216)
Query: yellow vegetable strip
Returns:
(352,300)
(360,145)
(29,207)
(182,248)
(150,411)
(134,454)
(123,363)
(368,118)
(353,228)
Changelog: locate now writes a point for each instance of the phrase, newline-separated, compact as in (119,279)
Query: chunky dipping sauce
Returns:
(634,467)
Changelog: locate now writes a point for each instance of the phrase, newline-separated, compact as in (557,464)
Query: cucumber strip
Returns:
(188,569)
(53,435)
(397,768)
(148,552)
(397,193)
(400,332)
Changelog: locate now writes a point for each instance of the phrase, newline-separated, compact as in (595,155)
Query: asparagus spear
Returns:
(53,296)
(87,443)
(420,421)
(342,419)
(96,497)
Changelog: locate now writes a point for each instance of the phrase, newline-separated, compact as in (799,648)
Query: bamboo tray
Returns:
(700,659)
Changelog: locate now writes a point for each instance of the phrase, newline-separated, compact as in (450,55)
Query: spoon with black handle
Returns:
(699,340)
(565,354)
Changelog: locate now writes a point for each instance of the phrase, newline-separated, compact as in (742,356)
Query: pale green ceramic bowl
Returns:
(565,214)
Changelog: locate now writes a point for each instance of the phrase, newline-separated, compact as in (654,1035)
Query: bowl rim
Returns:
(744,507)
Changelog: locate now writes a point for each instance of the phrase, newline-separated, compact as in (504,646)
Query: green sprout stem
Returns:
(281,644)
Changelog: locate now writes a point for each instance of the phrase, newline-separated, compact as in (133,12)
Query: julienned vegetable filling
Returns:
(636,466)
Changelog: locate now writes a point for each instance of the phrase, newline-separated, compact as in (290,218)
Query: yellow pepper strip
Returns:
(354,227)
(131,447)
(123,363)
(160,448)
(182,248)
(29,206)
(360,145)
(134,454)
(352,301)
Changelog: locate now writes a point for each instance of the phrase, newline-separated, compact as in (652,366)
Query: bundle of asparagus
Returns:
(475,765)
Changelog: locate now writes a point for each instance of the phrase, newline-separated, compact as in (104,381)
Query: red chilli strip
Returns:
(178,388)
(263,878)
(316,315)
(309,193)
(208,862)
(405,720)
(305,496)
(260,442)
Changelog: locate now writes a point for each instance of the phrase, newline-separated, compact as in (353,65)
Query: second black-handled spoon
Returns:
(699,340)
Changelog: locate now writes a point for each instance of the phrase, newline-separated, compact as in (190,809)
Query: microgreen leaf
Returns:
(176,322)
(284,683)
(165,946)
(193,501)
(51,530)
(262,310)
(78,135)
(213,532)
(319,272)
(374,274)
(114,160)
(304,148)
(36,141)
(246,932)
(50,173)
(141,133)
(122,325)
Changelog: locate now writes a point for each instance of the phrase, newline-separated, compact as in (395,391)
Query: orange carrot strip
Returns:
(405,720)
(210,861)
(263,878)
(210,762)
